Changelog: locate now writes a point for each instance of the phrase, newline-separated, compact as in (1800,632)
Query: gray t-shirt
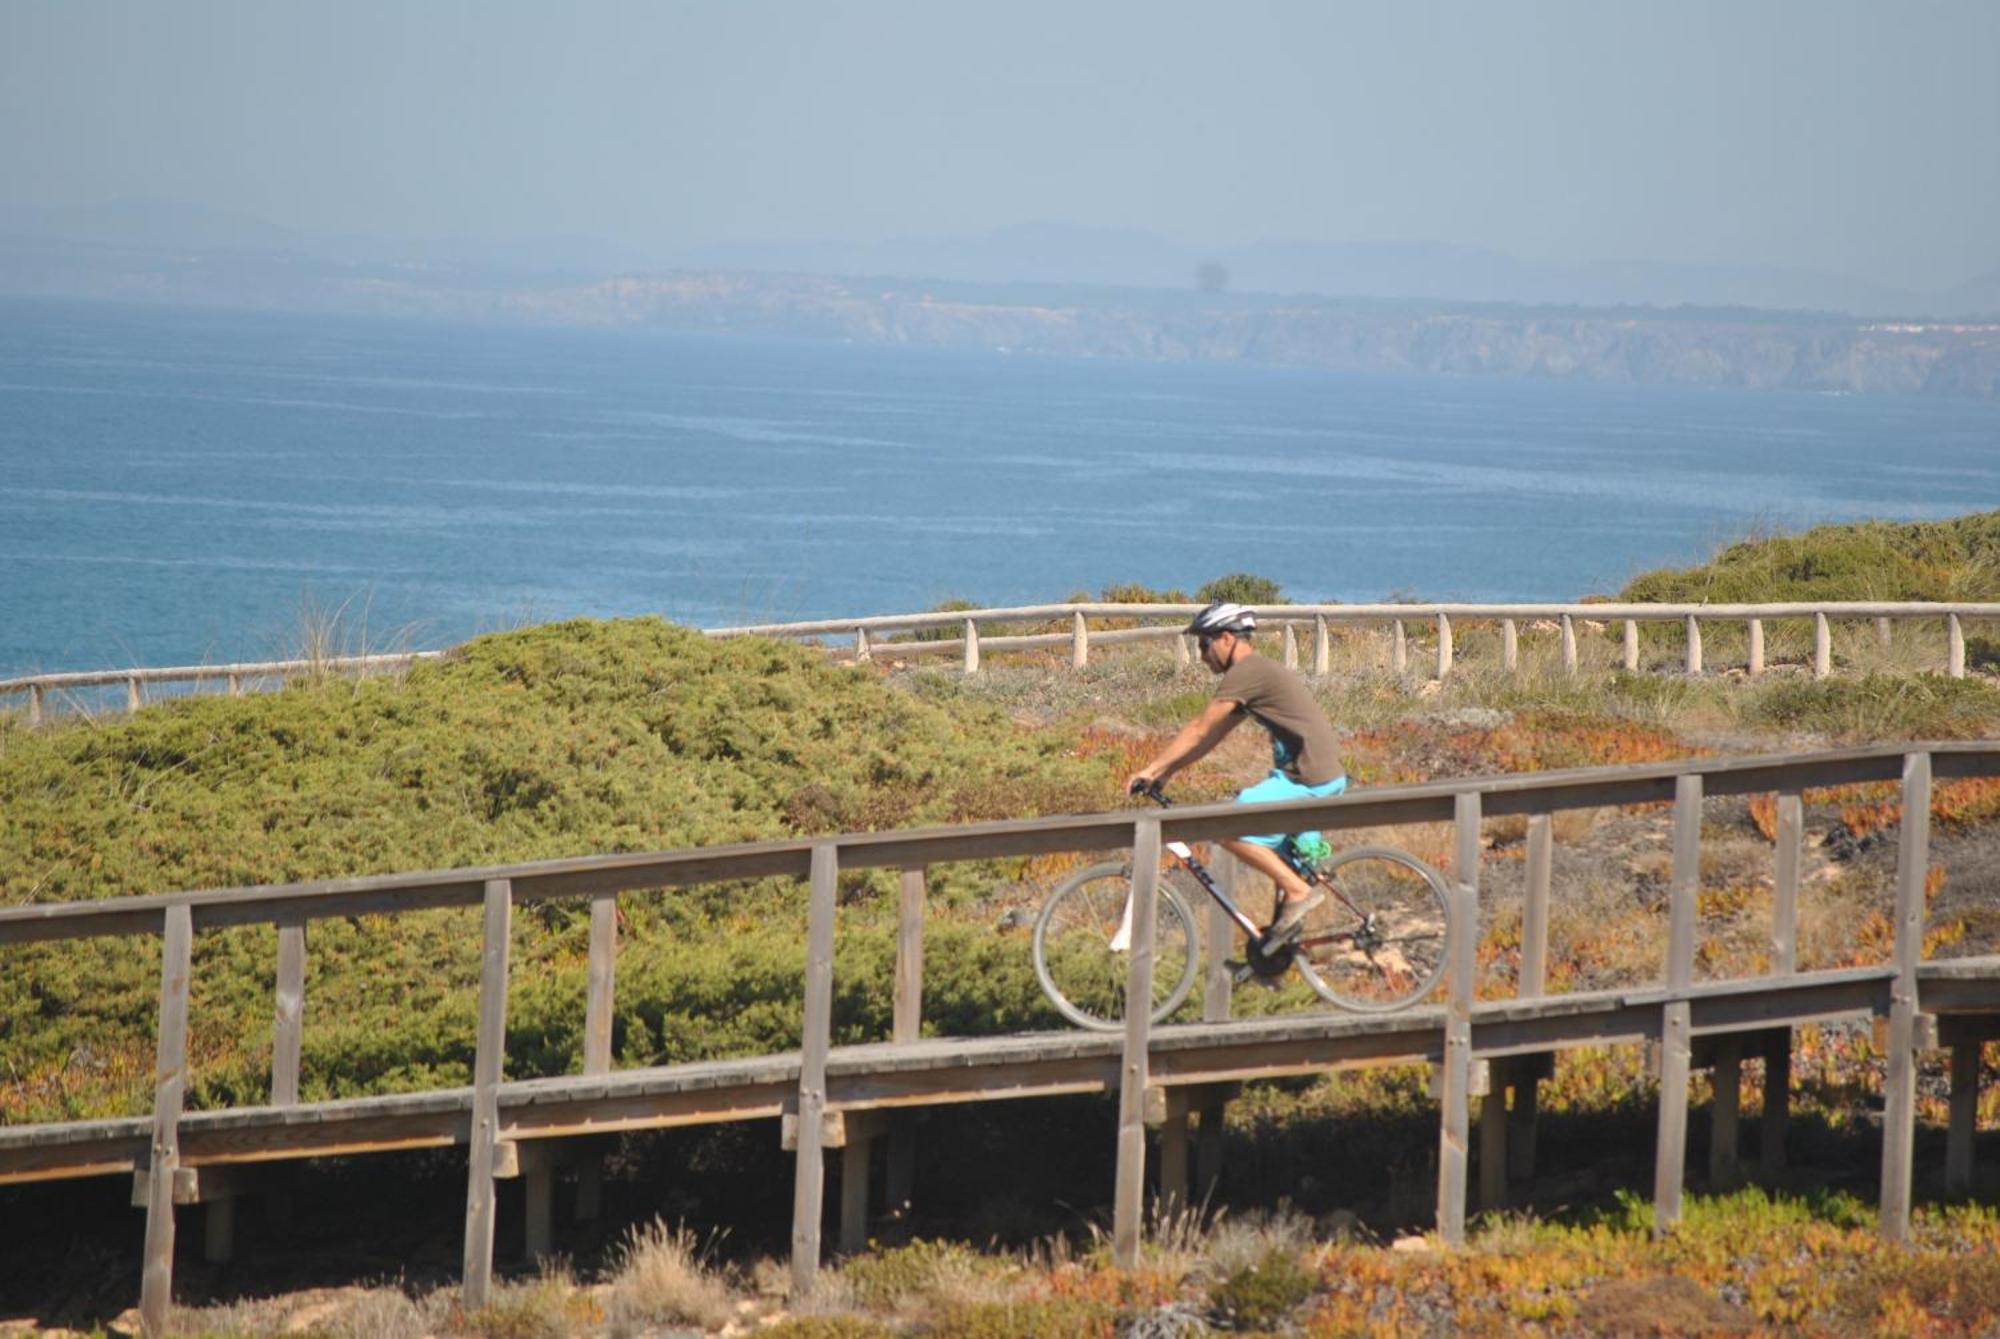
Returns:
(1303,746)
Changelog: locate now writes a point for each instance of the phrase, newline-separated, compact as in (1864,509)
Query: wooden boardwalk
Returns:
(846,1098)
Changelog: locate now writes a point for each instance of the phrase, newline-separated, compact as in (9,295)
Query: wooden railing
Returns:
(1293,624)
(1316,623)
(1670,1014)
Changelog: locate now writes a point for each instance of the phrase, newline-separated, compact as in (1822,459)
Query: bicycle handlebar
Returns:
(1151,790)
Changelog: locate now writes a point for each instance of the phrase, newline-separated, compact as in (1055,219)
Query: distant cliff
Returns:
(1668,346)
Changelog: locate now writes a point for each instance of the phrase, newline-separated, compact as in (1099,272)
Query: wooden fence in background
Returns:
(896,635)
(844,1097)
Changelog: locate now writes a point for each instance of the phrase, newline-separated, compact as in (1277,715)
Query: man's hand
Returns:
(1140,781)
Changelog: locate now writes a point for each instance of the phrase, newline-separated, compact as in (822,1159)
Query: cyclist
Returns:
(1305,756)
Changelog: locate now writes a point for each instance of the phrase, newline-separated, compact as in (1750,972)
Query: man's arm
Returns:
(1193,742)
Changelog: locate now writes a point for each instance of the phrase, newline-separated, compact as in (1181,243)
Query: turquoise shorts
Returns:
(1278,786)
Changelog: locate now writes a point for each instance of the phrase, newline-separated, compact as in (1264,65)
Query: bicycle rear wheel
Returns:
(1386,946)
(1081,971)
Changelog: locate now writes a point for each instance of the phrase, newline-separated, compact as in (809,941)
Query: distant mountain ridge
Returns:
(1120,312)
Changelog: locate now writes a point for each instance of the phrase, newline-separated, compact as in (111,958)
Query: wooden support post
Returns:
(1899,1085)
(1527,1082)
(34,704)
(1756,630)
(1079,642)
(1214,1099)
(1322,647)
(1174,1154)
(908,1019)
(971,647)
(538,1176)
(289,1021)
(1510,646)
(1455,1085)
(1882,634)
(1791,826)
(1964,1127)
(1218,983)
(1291,647)
(163,1155)
(1181,655)
(1723,1168)
(1399,648)
(1535,916)
(862,652)
(1569,644)
(1777,1103)
(235,684)
(1493,1141)
(854,1186)
(1693,645)
(1128,1203)
(1444,647)
(218,1230)
(488,1067)
(1954,633)
(601,984)
(1670,1155)
(135,696)
(809,1184)
(1822,647)
(1631,646)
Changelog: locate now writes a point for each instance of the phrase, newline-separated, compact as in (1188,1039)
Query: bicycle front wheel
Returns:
(1082,961)
(1381,943)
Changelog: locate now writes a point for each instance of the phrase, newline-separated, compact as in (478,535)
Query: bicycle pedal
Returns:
(1239,971)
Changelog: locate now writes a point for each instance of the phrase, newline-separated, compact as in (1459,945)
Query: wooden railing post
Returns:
(34,704)
(235,684)
(1444,647)
(1899,1085)
(1218,981)
(289,1020)
(971,647)
(1883,636)
(1399,648)
(1455,1078)
(1756,630)
(1632,646)
(907,1026)
(163,1155)
(809,1183)
(1776,1119)
(1510,646)
(1693,645)
(1291,648)
(1670,1156)
(1129,1198)
(1954,633)
(135,697)
(1822,647)
(601,986)
(1535,917)
(1079,642)
(1322,647)
(488,1068)
(1569,644)
(862,651)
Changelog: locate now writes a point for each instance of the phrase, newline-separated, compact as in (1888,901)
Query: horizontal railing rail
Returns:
(1290,621)
(1680,1008)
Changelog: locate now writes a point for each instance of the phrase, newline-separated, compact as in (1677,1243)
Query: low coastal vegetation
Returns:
(590,737)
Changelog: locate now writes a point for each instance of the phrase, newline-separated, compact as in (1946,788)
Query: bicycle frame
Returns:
(1183,853)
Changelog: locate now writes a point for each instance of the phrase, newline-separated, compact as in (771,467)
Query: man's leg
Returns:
(1272,865)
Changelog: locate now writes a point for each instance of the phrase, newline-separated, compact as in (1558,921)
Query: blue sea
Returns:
(177,487)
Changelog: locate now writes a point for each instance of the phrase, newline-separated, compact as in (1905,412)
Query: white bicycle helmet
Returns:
(1222,616)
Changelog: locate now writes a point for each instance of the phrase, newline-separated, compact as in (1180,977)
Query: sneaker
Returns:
(1292,911)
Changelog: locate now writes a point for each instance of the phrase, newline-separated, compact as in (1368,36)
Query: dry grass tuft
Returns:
(667,1274)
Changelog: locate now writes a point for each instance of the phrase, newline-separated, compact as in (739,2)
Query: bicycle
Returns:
(1377,943)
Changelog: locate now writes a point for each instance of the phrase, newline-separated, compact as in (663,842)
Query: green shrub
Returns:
(1261,1295)
(1063,1318)
(1243,588)
(827,1327)
(1957,559)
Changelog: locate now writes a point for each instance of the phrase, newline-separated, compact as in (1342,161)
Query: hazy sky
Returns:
(1860,137)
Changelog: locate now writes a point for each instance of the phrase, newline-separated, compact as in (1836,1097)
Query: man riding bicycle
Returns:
(1305,756)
